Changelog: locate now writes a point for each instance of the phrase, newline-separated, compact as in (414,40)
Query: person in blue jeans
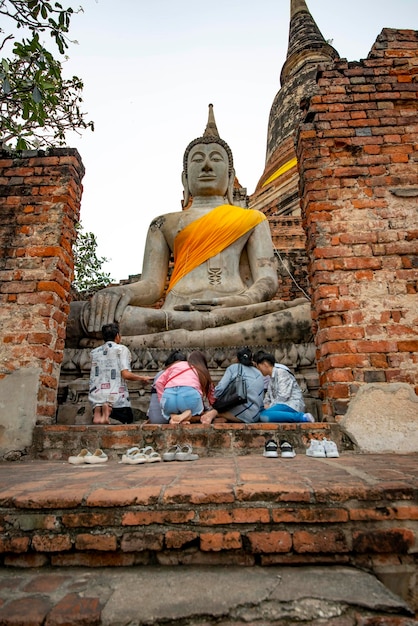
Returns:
(183,387)
(283,401)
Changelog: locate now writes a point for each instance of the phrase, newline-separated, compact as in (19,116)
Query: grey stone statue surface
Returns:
(224,275)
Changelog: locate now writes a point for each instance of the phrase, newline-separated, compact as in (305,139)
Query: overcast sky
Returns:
(151,67)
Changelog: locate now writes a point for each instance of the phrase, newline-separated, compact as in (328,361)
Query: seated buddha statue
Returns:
(224,277)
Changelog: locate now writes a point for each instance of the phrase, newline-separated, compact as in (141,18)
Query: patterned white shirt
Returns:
(106,383)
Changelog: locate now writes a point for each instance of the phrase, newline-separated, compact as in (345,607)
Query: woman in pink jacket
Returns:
(182,387)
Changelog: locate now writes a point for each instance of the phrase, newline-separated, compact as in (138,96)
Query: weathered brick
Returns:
(376,346)
(327,541)
(175,539)
(393,540)
(347,360)
(31,611)
(73,610)
(410,345)
(214,542)
(379,360)
(312,515)
(51,543)
(270,542)
(32,521)
(236,516)
(26,560)
(143,518)
(14,544)
(140,541)
(90,541)
(405,512)
(97,559)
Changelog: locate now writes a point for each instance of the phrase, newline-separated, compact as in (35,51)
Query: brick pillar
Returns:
(40,197)
(358,164)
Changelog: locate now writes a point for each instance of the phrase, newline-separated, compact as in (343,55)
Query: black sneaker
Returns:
(287,450)
(271,449)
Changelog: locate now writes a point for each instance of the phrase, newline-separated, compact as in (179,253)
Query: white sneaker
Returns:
(270,449)
(287,451)
(308,417)
(316,449)
(330,448)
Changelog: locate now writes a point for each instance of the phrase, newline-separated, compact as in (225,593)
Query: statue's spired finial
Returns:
(211,128)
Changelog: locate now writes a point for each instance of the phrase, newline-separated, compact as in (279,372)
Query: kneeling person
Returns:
(249,411)
(110,369)
(283,401)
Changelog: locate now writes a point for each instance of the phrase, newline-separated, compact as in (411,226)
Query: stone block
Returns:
(383,418)
(18,404)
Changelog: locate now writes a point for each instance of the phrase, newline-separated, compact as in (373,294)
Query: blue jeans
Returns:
(178,399)
(282,413)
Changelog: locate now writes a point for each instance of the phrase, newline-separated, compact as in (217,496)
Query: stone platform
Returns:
(57,442)
(357,510)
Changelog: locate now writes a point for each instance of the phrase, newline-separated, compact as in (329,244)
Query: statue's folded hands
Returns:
(206,304)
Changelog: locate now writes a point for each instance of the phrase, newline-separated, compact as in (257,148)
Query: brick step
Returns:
(198,596)
(58,442)
(355,510)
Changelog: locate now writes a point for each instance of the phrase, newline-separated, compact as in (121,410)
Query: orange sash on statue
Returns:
(209,235)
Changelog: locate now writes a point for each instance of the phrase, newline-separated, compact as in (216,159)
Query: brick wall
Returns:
(39,202)
(289,241)
(358,164)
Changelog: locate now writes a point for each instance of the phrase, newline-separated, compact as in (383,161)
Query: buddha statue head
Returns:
(208,166)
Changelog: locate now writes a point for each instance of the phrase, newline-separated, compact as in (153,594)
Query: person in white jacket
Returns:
(283,401)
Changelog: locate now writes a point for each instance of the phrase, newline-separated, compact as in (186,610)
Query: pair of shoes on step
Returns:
(321,449)
(137,456)
(271,450)
(85,456)
(180,453)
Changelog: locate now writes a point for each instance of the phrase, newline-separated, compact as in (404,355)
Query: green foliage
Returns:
(37,105)
(88,274)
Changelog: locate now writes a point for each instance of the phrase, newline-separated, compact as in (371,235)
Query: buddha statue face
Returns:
(208,170)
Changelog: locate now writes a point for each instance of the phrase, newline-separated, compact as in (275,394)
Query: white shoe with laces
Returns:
(287,451)
(330,448)
(316,449)
(270,449)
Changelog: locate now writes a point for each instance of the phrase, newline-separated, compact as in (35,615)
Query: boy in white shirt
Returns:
(110,369)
